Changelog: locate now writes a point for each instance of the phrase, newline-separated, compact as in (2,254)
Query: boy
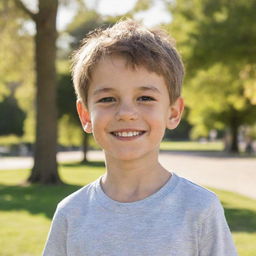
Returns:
(128,82)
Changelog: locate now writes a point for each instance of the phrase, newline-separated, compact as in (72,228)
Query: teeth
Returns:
(127,134)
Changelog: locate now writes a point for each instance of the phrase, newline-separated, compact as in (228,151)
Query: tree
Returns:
(16,48)
(16,57)
(12,117)
(217,39)
(216,103)
(45,165)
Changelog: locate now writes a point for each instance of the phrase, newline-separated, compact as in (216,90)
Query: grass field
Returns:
(26,211)
(192,146)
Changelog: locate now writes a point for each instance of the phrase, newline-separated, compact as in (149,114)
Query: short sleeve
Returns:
(56,241)
(214,233)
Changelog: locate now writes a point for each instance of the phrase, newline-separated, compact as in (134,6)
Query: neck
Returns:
(132,181)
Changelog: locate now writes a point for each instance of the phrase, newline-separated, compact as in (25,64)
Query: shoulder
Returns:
(196,197)
(77,202)
(201,209)
(190,188)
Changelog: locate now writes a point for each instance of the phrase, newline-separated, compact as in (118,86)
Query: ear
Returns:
(176,110)
(84,116)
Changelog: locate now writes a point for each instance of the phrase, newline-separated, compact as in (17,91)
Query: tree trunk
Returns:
(234,126)
(45,164)
(234,139)
(226,140)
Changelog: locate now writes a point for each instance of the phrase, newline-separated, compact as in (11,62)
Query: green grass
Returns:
(240,212)
(191,146)
(9,140)
(26,211)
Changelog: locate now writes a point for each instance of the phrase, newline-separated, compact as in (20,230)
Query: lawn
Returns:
(192,146)
(26,211)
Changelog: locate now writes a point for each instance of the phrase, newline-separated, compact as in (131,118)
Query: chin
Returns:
(127,157)
(130,156)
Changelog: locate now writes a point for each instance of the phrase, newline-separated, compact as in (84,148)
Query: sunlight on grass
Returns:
(240,212)
(26,211)
(245,243)
(192,146)
(81,175)
(22,233)
(13,177)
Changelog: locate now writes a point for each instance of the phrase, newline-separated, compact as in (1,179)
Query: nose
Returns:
(126,111)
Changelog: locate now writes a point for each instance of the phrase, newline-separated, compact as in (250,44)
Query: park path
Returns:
(229,173)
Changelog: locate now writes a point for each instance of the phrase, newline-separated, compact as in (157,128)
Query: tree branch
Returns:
(22,7)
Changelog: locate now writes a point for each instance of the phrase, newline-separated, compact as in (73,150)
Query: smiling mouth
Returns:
(128,134)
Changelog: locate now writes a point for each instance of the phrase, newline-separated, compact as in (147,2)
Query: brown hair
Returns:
(152,49)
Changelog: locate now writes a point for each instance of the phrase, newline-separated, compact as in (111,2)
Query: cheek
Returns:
(99,119)
(158,117)
(157,125)
(98,127)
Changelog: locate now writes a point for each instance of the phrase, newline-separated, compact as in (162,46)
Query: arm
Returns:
(214,235)
(56,241)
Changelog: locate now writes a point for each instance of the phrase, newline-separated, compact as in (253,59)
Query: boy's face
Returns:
(128,110)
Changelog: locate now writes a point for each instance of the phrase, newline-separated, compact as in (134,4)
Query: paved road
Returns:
(228,173)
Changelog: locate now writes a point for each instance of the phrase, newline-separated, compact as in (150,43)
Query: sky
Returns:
(155,15)
(112,7)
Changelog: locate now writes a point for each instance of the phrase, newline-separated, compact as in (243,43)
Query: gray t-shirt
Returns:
(180,219)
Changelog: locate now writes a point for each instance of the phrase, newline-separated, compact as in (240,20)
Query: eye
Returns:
(146,98)
(107,99)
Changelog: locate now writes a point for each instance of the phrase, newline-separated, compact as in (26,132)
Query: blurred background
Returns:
(44,153)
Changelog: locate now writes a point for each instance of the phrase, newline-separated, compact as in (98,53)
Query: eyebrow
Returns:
(141,88)
(102,90)
(149,88)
